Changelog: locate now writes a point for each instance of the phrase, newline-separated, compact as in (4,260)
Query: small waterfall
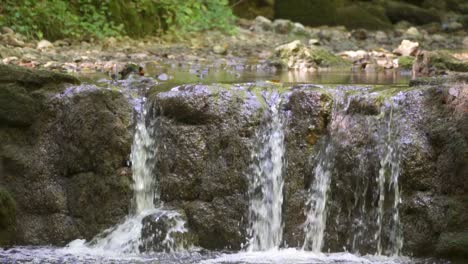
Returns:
(316,216)
(388,175)
(266,183)
(127,237)
(143,162)
(316,211)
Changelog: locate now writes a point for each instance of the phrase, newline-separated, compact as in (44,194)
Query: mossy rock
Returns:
(443,60)
(333,12)
(453,245)
(33,79)
(21,92)
(400,11)
(439,80)
(7,217)
(17,107)
(295,55)
(405,62)
(363,16)
(325,58)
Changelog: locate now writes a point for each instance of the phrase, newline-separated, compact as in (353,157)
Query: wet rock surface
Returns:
(62,155)
(203,165)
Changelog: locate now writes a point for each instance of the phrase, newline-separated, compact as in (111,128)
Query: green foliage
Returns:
(56,19)
(405,62)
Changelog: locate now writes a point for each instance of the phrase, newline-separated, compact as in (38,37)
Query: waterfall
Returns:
(386,188)
(266,183)
(316,213)
(126,237)
(316,216)
(388,175)
(143,163)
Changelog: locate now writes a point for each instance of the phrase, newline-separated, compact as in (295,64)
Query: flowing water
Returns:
(126,238)
(316,214)
(124,243)
(266,183)
(388,178)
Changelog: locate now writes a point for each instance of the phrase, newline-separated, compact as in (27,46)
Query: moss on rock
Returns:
(405,62)
(296,55)
(453,245)
(7,217)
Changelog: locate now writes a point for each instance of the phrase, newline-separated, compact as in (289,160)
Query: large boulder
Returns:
(63,155)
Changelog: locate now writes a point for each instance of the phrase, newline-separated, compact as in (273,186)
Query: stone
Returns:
(452,26)
(220,49)
(28,57)
(163,77)
(465,42)
(295,55)
(44,45)
(359,34)
(407,48)
(165,231)
(437,62)
(262,24)
(7,30)
(12,40)
(299,29)
(413,33)
(40,111)
(314,42)
(283,26)
(7,218)
(453,245)
(381,37)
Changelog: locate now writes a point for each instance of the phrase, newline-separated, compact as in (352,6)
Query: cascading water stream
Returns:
(316,217)
(266,187)
(388,174)
(316,213)
(126,238)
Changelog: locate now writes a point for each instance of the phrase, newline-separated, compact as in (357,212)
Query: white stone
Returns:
(44,44)
(407,48)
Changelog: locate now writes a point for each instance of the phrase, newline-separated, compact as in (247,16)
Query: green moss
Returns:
(325,58)
(443,60)
(7,217)
(453,245)
(398,11)
(405,62)
(363,16)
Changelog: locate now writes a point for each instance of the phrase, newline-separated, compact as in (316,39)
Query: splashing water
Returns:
(266,187)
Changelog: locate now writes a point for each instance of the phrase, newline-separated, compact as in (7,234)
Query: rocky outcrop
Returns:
(64,174)
(63,156)
(206,135)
